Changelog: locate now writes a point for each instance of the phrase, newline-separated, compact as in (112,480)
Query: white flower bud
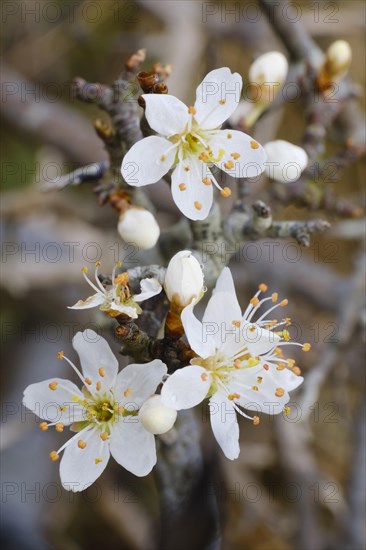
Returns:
(183,279)
(285,161)
(270,68)
(140,227)
(338,58)
(156,417)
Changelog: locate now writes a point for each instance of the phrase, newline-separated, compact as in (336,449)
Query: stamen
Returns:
(82,444)
(75,369)
(182,186)
(96,288)
(54,456)
(98,460)
(59,427)
(97,265)
(279,392)
(104,436)
(127,392)
(254,144)
(225,192)
(101,372)
(197,205)
(235,156)
(306,347)
(256,420)
(43,426)
(53,385)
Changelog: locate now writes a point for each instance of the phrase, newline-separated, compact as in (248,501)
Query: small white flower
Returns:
(190,139)
(118,298)
(104,413)
(239,363)
(270,69)
(139,226)
(156,417)
(285,161)
(184,279)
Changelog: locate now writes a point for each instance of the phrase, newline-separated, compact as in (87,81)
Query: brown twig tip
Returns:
(261,209)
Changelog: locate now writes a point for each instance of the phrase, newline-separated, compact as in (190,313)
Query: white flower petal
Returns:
(143,164)
(149,287)
(166,114)
(224,425)
(132,446)
(49,404)
(94,353)
(121,308)
(135,383)
(190,194)
(200,340)
(225,282)
(219,319)
(92,301)
(217,97)
(252,156)
(186,388)
(259,341)
(78,467)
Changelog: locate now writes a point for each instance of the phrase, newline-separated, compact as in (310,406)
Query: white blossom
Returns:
(184,279)
(139,226)
(285,161)
(118,298)
(239,362)
(104,414)
(190,140)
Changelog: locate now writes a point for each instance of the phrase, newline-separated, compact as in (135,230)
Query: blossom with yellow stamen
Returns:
(190,140)
(117,298)
(236,363)
(104,418)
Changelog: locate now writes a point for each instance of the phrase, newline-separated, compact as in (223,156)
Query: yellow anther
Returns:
(237,364)
(204,377)
(98,460)
(120,410)
(235,156)
(236,323)
(306,347)
(127,392)
(84,269)
(191,110)
(287,321)
(63,409)
(104,436)
(291,362)
(255,388)
(284,302)
(98,385)
(225,192)
(256,420)
(207,181)
(101,372)
(105,406)
(229,164)
(287,410)
(119,263)
(265,366)
(254,301)
(254,144)
(43,426)
(53,385)
(252,327)
(262,287)
(182,186)
(229,136)
(279,352)
(281,366)
(203,156)
(59,427)
(98,264)
(54,456)
(60,355)
(122,279)
(88,381)
(296,371)
(162,158)
(197,205)
(233,396)
(253,361)
(274,297)
(186,168)
(279,392)
(259,379)
(81,444)
(286,335)
(222,101)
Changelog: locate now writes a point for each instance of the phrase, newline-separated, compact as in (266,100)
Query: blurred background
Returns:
(299,483)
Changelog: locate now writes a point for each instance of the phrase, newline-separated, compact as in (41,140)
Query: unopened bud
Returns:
(183,279)
(139,226)
(270,69)
(337,60)
(156,417)
(285,161)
